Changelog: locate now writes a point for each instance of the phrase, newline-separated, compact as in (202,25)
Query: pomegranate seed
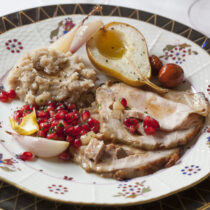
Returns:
(150,122)
(149,130)
(65,124)
(50,108)
(86,128)
(12,94)
(132,129)
(59,129)
(85,115)
(83,132)
(43,120)
(36,107)
(95,128)
(77,143)
(60,106)
(77,130)
(91,122)
(64,156)
(42,114)
(26,108)
(155,124)
(70,139)
(52,104)
(71,107)
(18,115)
(71,117)
(4,97)
(42,133)
(26,156)
(60,115)
(69,130)
(123,101)
(52,113)
(94,124)
(26,113)
(44,125)
(130,121)
(52,136)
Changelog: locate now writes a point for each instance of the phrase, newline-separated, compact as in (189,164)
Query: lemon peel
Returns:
(28,126)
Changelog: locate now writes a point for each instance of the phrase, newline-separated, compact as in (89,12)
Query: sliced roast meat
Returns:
(170,114)
(179,122)
(123,162)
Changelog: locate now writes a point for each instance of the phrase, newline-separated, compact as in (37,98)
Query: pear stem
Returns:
(146,80)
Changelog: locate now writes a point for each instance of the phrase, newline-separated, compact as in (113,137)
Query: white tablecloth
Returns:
(173,9)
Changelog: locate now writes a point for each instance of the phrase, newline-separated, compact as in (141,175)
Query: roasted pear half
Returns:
(120,51)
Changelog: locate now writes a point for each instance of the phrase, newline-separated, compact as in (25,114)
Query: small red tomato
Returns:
(26,156)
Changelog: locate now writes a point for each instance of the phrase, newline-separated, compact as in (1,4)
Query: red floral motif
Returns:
(133,190)
(8,164)
(68,178)
(14,46)
(208,89)
(58,189)
(63,27)
(177,53)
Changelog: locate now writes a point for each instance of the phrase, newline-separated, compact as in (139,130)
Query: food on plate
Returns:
(75,38)
(56,121)
(40,146)
(7,96)
(170,75)
(156,64)
(120,50)
(121,161)
(49,75)
(114,130)
(176,123)
(27,126)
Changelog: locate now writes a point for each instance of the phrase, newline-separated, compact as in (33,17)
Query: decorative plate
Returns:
(64,181)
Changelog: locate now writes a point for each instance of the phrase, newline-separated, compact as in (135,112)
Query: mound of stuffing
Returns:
(46,74)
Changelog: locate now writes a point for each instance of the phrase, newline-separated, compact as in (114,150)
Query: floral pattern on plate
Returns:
(63,27)
(208,141)
(8,164)
(58,189)
(14,46)
(129,190)
(177,53)
(190,170)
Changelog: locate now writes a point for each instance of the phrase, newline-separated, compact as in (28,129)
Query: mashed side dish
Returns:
(45,75)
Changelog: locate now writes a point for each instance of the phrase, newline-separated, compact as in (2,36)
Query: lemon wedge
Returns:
(28,125)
